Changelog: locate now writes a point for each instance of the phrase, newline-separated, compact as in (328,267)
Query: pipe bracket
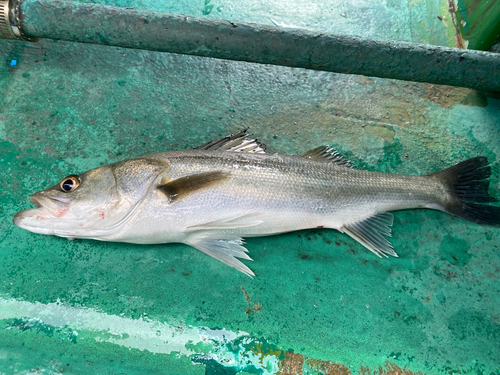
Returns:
(10,21)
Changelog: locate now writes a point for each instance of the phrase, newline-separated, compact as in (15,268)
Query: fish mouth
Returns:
(54,206)
(46,208)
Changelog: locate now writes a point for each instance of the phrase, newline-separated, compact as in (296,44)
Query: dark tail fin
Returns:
(468,185)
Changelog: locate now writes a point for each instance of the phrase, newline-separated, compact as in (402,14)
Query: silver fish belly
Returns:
(213,196)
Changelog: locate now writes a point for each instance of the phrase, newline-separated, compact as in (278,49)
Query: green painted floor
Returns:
(320,304)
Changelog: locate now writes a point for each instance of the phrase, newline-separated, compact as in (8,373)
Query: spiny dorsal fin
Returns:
(327,153)
(238,142)
(184,186)
(370,233)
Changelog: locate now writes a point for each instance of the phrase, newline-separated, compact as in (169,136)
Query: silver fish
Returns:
(213,196)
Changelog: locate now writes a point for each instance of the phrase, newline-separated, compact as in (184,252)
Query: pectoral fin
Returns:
(370,233)
(187,185)
(226,250)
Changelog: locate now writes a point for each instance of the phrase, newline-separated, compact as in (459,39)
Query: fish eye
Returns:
(70,183)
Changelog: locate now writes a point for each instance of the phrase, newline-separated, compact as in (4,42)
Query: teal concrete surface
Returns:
(320,302)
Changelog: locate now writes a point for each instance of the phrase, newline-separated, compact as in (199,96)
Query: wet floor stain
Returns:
(455,251)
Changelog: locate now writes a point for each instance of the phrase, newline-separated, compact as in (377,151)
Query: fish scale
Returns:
(276,178)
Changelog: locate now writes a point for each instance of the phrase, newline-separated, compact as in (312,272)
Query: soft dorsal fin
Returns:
(238,142)
(326,153)
(181,187)
(370,233)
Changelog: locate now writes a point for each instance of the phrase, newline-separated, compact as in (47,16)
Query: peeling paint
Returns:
(388,369)
(384,132)
(447,97)
(142,334)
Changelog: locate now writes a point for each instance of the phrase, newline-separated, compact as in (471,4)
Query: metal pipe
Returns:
(130,28)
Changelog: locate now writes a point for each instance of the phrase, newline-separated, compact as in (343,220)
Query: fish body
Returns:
(262,195)
(213,196)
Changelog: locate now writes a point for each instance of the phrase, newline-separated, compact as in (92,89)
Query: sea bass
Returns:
(212,196)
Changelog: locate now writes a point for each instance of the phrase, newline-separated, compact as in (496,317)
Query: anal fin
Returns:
(371,233)
(225,250)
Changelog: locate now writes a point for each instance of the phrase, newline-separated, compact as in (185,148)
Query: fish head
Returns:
(73,206)
(94,204)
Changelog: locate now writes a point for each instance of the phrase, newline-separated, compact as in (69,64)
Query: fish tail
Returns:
(468,185)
